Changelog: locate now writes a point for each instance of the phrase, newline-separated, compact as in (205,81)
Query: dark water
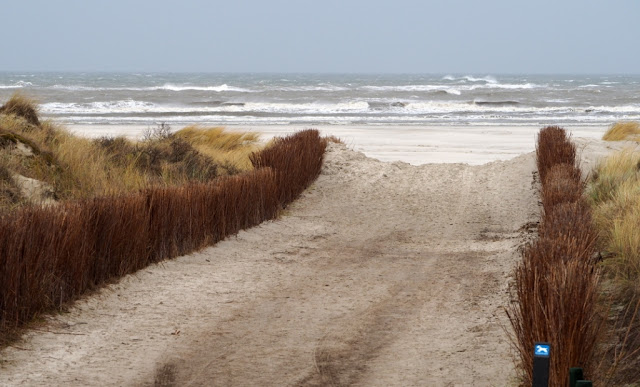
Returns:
(223,99)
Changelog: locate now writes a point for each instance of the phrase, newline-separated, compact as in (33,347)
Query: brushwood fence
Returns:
(555,296)
(51,255)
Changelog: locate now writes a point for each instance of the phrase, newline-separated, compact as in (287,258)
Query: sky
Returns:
(322,36)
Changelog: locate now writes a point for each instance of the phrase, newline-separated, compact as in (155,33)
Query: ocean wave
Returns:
(166,86)
(428,88)
(221,88)
(436,119)
(81,88)
(309,88)
(507,86)
(126,106)
(471,78)
(496,103)
(17,85)
(354,107)
(133,106)
(457,90)
(303,108)
(488,79)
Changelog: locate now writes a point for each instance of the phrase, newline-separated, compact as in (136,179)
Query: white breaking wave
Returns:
(347,107)
(477,119)
(506,86)
(303,108)
(446,89)
(454,90)
(126,106)
(221,88)
(167,86)
(309,88)
(17,85)
(471,78)
(488,79)
(132,106)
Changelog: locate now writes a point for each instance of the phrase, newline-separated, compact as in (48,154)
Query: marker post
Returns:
(541,353)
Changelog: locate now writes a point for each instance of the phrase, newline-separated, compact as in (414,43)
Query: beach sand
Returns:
(381,274)
(415,145)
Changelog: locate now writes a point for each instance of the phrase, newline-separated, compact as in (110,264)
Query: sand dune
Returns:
(382,274)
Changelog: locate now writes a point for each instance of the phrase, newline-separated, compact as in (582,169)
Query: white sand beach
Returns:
(381,274)
(415,145)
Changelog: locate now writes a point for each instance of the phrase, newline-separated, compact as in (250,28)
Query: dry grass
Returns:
(79,168)
(10,196)
(620,167)
(21,106)
(225,148)
(623,130)
(333,139)
(614,194)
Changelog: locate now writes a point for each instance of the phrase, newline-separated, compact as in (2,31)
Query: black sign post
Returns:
(541,353)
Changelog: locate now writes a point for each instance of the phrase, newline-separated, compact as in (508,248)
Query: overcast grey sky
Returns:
(388,36)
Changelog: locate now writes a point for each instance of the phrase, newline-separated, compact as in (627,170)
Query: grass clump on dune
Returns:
(226,148)
(77,167)
(623,130)
(22,106)
(621,167)
(614,192)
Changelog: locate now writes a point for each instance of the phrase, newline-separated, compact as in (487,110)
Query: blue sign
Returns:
(541,350)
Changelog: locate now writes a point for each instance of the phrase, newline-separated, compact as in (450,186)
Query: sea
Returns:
(328,99)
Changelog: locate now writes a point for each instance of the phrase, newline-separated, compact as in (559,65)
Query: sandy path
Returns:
(382,274)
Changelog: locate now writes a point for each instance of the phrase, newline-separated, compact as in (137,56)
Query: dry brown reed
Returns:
(555,296)
(553,147)
(562,184)
(51,255)
(555,302)
(291,157)
(564,224)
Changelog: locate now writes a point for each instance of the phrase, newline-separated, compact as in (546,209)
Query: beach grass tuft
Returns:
(623,130)
(77,167)
(22,106)
(614,196)
(224,147)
